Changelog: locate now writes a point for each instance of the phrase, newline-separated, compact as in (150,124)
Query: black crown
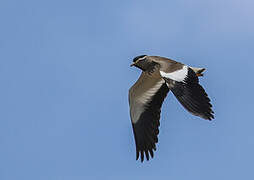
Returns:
(138,57)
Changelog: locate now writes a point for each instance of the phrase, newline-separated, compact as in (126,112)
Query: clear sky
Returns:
(65,75)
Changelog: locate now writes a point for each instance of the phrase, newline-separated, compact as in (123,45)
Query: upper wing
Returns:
(145,98)
(185,85)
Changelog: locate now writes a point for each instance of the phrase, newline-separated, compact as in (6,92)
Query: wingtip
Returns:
(145,155)
(142,156)
(209,116)
(137,155)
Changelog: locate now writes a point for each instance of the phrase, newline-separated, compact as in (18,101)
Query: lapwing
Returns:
(159,76)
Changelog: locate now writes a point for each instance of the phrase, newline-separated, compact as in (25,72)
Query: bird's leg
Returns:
(199,74)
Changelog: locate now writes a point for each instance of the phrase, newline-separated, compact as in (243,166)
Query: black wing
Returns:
(146,128)
(192,95)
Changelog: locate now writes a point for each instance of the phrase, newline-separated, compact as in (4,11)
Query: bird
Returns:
(159,76)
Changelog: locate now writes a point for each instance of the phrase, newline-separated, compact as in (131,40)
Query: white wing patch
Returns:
(178,75)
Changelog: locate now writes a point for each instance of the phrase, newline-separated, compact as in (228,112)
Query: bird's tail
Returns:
(198,71)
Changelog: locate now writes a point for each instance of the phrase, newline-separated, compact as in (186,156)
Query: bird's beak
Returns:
(133,64)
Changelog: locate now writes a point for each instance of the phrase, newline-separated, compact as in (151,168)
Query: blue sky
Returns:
(65,75)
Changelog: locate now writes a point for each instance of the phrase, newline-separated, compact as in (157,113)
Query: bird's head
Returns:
(141,62)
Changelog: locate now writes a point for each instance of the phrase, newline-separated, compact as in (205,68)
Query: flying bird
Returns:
(159,76)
